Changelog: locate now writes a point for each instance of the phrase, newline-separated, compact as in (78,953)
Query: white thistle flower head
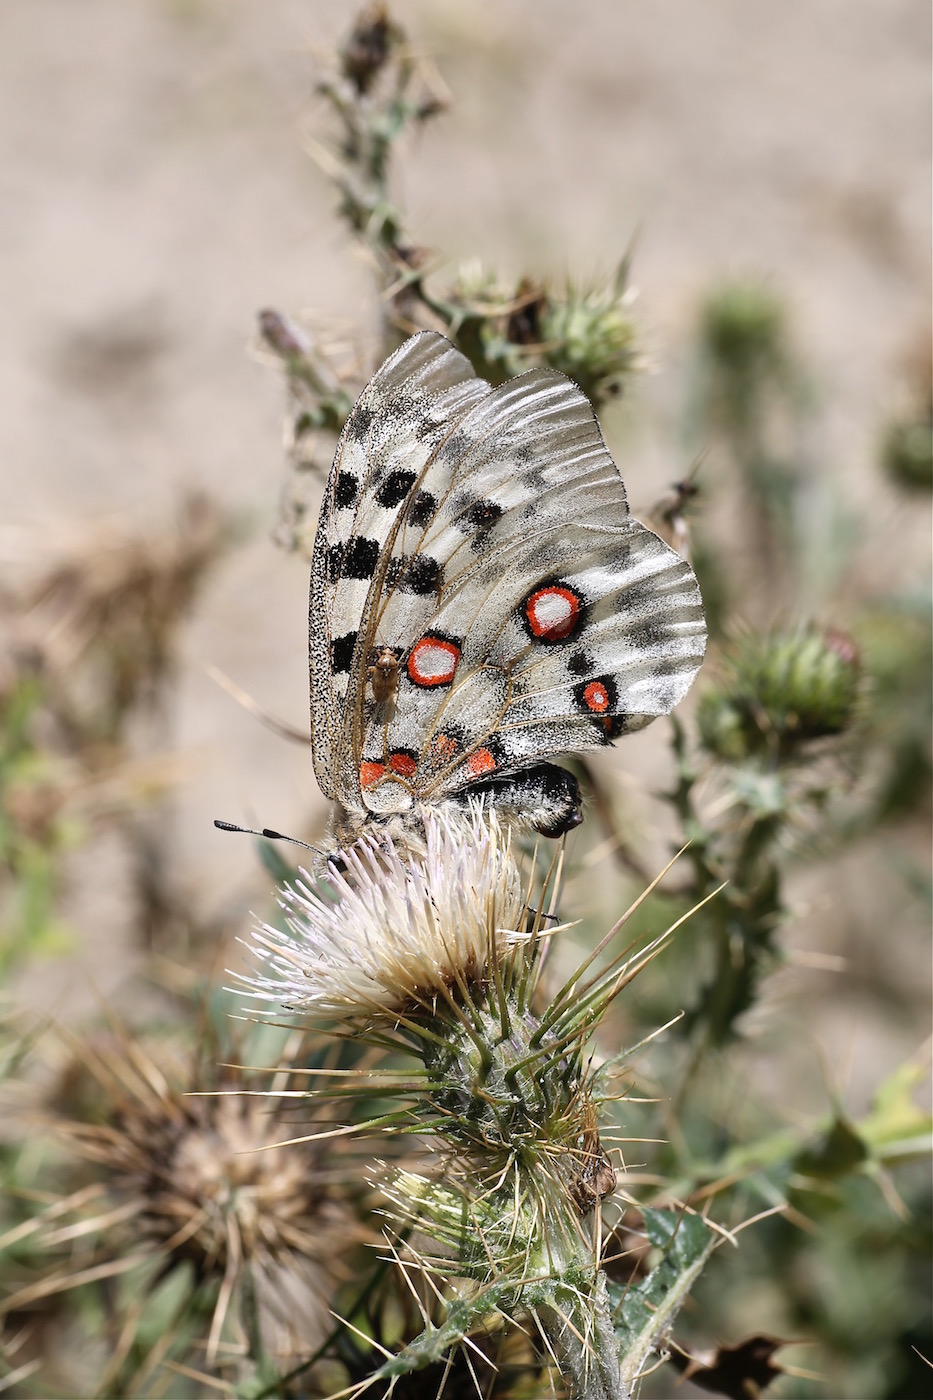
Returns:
(403,930)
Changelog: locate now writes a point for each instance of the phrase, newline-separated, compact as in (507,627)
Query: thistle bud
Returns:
(592,338)
(743,329)
(779,692)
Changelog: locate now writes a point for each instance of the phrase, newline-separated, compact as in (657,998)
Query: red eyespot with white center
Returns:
(554,612)
(600,698)
(370,773)
(596,697)
(433,661)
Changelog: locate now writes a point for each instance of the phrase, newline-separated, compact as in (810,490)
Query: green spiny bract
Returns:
(514,1104)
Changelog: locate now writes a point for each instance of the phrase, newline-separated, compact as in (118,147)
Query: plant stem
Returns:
(585,1344)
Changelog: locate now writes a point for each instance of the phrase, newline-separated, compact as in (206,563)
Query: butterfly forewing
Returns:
(406,409)
(488,561)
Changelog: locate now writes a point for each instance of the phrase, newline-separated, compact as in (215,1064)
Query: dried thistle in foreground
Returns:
(194,1191)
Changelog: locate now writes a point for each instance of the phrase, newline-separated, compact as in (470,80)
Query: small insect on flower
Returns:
(477,566)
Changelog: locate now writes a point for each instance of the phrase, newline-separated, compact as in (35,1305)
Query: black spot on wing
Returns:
(359,422)
(346,490)
(422,508)
(360,558)
(334,561)
(423,575)
(580,663)
(480,518)
(395,488)
(341,651)
(484,513)
(417,573)
(472,516)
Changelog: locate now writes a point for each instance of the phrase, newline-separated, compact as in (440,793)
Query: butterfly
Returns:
(482,600)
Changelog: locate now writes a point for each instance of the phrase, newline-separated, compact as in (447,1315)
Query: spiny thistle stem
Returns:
(589,1359)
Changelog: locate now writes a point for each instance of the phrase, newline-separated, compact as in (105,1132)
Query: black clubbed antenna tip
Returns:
(267,833)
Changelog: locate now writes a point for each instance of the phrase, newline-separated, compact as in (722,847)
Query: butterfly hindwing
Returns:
(490,565)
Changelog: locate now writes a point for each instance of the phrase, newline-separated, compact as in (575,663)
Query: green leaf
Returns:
(644,1310)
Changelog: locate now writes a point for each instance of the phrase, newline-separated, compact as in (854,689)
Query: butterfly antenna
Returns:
(268,834)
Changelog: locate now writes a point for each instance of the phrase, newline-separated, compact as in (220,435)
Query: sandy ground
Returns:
(154,193)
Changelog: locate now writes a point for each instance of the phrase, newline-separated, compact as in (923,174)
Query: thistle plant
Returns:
(193,1239)
(769,722)
(376,91)
(452,1177)
(440,962)
(762,775)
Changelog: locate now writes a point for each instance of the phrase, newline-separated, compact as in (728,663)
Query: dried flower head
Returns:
(399,931)
(194,1180)
(102,622)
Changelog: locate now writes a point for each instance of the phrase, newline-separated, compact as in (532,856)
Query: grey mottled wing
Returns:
(491,552)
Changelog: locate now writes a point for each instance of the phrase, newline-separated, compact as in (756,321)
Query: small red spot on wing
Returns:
(596,697)
(553,612)
(370,773)
(433,661)
(481,761)
(403,764)
(443,748)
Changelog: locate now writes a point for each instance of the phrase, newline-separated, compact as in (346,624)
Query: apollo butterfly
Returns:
(482,600)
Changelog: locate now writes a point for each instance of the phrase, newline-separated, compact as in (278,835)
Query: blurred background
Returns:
(769,167)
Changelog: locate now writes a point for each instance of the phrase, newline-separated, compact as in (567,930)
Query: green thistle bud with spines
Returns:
(743,328)
(780,692)
(591,336)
